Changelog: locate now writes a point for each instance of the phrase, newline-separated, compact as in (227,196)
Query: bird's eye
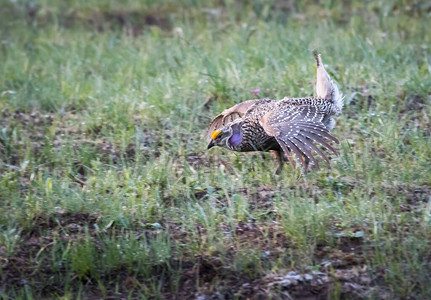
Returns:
(215,134)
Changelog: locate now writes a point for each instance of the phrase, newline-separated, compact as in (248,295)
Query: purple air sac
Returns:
(236,139)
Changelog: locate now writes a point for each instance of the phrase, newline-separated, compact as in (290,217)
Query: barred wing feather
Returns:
(297,129)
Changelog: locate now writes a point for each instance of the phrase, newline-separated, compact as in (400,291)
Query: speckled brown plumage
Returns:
(290,125)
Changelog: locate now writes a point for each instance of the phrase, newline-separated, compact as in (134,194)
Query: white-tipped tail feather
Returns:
(337,98)
(326,88)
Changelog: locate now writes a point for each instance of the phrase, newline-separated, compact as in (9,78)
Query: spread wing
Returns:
(296,129)
(228,115)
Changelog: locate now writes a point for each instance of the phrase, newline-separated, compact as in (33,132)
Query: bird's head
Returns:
(228,137)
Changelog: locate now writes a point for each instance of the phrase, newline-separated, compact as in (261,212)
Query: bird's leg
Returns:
(307,166)
(278,156)
(304,177)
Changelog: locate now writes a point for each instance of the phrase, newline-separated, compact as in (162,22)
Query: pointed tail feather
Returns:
(326,88)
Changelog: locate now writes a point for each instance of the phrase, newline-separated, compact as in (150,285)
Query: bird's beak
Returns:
(211,144)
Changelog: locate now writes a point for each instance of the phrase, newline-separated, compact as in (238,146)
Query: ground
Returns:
(107,189)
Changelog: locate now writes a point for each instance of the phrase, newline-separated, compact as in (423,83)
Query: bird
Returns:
(290,127)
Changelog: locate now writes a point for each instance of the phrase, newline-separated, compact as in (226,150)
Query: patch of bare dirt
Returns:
(362,97)
(354,282)
(23,268)
(71,222)
(32,121)
(414,114)
(342,267)
(415,195)
(200,159)
(413,103)
(203,276)
(269,238)
(350,283)
(263,197)
(35,131)
(259,198)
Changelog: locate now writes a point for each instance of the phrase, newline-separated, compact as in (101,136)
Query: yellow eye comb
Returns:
(215,134)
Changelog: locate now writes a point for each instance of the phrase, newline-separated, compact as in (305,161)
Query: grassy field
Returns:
(107,189)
